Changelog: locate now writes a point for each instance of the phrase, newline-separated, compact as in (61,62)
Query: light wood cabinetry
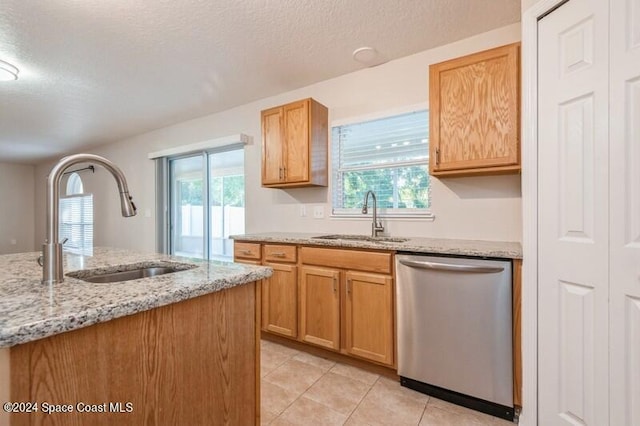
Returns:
(474,114)
(366,317)
(320,306)
(280,300)
(369,316)
(295,145)
(192,363)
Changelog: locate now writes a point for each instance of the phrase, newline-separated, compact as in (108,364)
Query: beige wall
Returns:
(526,4)
(16,208)
(486,208)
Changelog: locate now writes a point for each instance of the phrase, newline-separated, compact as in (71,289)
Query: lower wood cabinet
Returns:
(348,311)
(337,299)
(369,316)
(280,300)
(320,306)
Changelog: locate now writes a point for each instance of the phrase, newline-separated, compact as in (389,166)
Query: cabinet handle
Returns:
(246,251)
(278,254)
(284,173)
(280,173)
(335,285)
(437,155)
(349,286)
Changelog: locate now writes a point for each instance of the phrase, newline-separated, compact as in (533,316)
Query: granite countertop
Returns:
(31,311)
(478,248)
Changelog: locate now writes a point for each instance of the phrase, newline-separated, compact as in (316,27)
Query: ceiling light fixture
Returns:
(367,56)
(8,72)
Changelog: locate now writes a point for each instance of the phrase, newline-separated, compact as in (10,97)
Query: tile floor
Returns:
(303,389)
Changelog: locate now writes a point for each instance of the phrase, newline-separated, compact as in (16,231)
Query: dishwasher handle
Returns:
(450,267)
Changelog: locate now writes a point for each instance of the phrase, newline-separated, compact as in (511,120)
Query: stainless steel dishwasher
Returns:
(454,319)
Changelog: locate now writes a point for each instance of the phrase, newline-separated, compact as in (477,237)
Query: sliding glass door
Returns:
(206,203)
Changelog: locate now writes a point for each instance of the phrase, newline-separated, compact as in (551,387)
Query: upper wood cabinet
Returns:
(474,114)
(295,145)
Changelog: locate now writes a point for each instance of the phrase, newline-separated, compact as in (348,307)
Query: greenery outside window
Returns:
(389,156)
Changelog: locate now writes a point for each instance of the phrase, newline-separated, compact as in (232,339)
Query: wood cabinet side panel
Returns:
(191,362)
(517,332)
(319,143)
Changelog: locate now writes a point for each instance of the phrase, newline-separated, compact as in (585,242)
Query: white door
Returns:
(573,233)
(625,212)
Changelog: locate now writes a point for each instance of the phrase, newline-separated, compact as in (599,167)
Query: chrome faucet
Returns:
(52,249)
(376,226)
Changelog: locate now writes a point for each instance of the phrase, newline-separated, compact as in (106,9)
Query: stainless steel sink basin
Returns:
(361,238)
(130,272)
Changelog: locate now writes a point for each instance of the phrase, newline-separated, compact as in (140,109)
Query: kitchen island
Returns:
(179,348)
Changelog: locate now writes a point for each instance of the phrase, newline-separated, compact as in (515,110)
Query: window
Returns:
(206,198)
(76,218)
(389,156)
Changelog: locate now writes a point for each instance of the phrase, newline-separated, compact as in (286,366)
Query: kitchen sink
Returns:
(361,238)
(130,272)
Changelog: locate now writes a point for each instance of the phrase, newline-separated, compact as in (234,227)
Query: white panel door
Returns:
(573,207)
(625,212)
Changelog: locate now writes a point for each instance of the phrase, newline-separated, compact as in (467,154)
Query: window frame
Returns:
(395,213)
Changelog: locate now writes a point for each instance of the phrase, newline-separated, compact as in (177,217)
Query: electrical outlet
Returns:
(318,212)
(14,241)
(303,210)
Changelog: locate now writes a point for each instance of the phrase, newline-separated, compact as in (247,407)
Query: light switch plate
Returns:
(303,210)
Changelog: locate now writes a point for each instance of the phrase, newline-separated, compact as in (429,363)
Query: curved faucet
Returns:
(52,249)
(376,226)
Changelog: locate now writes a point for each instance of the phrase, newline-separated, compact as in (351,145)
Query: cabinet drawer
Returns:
(279,253)
(371,261)
(247,251)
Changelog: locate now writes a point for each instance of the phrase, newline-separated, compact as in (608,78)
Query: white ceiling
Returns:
(95,71)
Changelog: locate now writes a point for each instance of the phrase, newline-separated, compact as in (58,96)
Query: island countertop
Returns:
(475,248)
(30,310)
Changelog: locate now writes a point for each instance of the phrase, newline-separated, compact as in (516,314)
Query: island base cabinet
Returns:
(191,362)
(369,316)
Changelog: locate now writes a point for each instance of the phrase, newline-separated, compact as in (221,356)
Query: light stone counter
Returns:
(31,311)
(476,248)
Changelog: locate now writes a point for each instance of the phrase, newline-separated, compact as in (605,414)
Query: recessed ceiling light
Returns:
(367,56)
(8,72)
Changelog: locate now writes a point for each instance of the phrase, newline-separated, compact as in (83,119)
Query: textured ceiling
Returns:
(94,71)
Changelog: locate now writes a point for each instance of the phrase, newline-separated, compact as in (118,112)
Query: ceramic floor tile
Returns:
(295,376)
(270,360)
(371,412)
(266,416)
(305,412)
(274,398)
(337,392)
(388,393)
(463,412)
(355,373)
(323,363)
(279,349)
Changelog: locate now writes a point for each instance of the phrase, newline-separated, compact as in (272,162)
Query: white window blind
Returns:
(389,156)
(76,223)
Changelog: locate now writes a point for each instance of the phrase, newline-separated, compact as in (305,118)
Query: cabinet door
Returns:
(369,316)
(296,125)
(272,146)
(280,300)
(320,306)
(474,113)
